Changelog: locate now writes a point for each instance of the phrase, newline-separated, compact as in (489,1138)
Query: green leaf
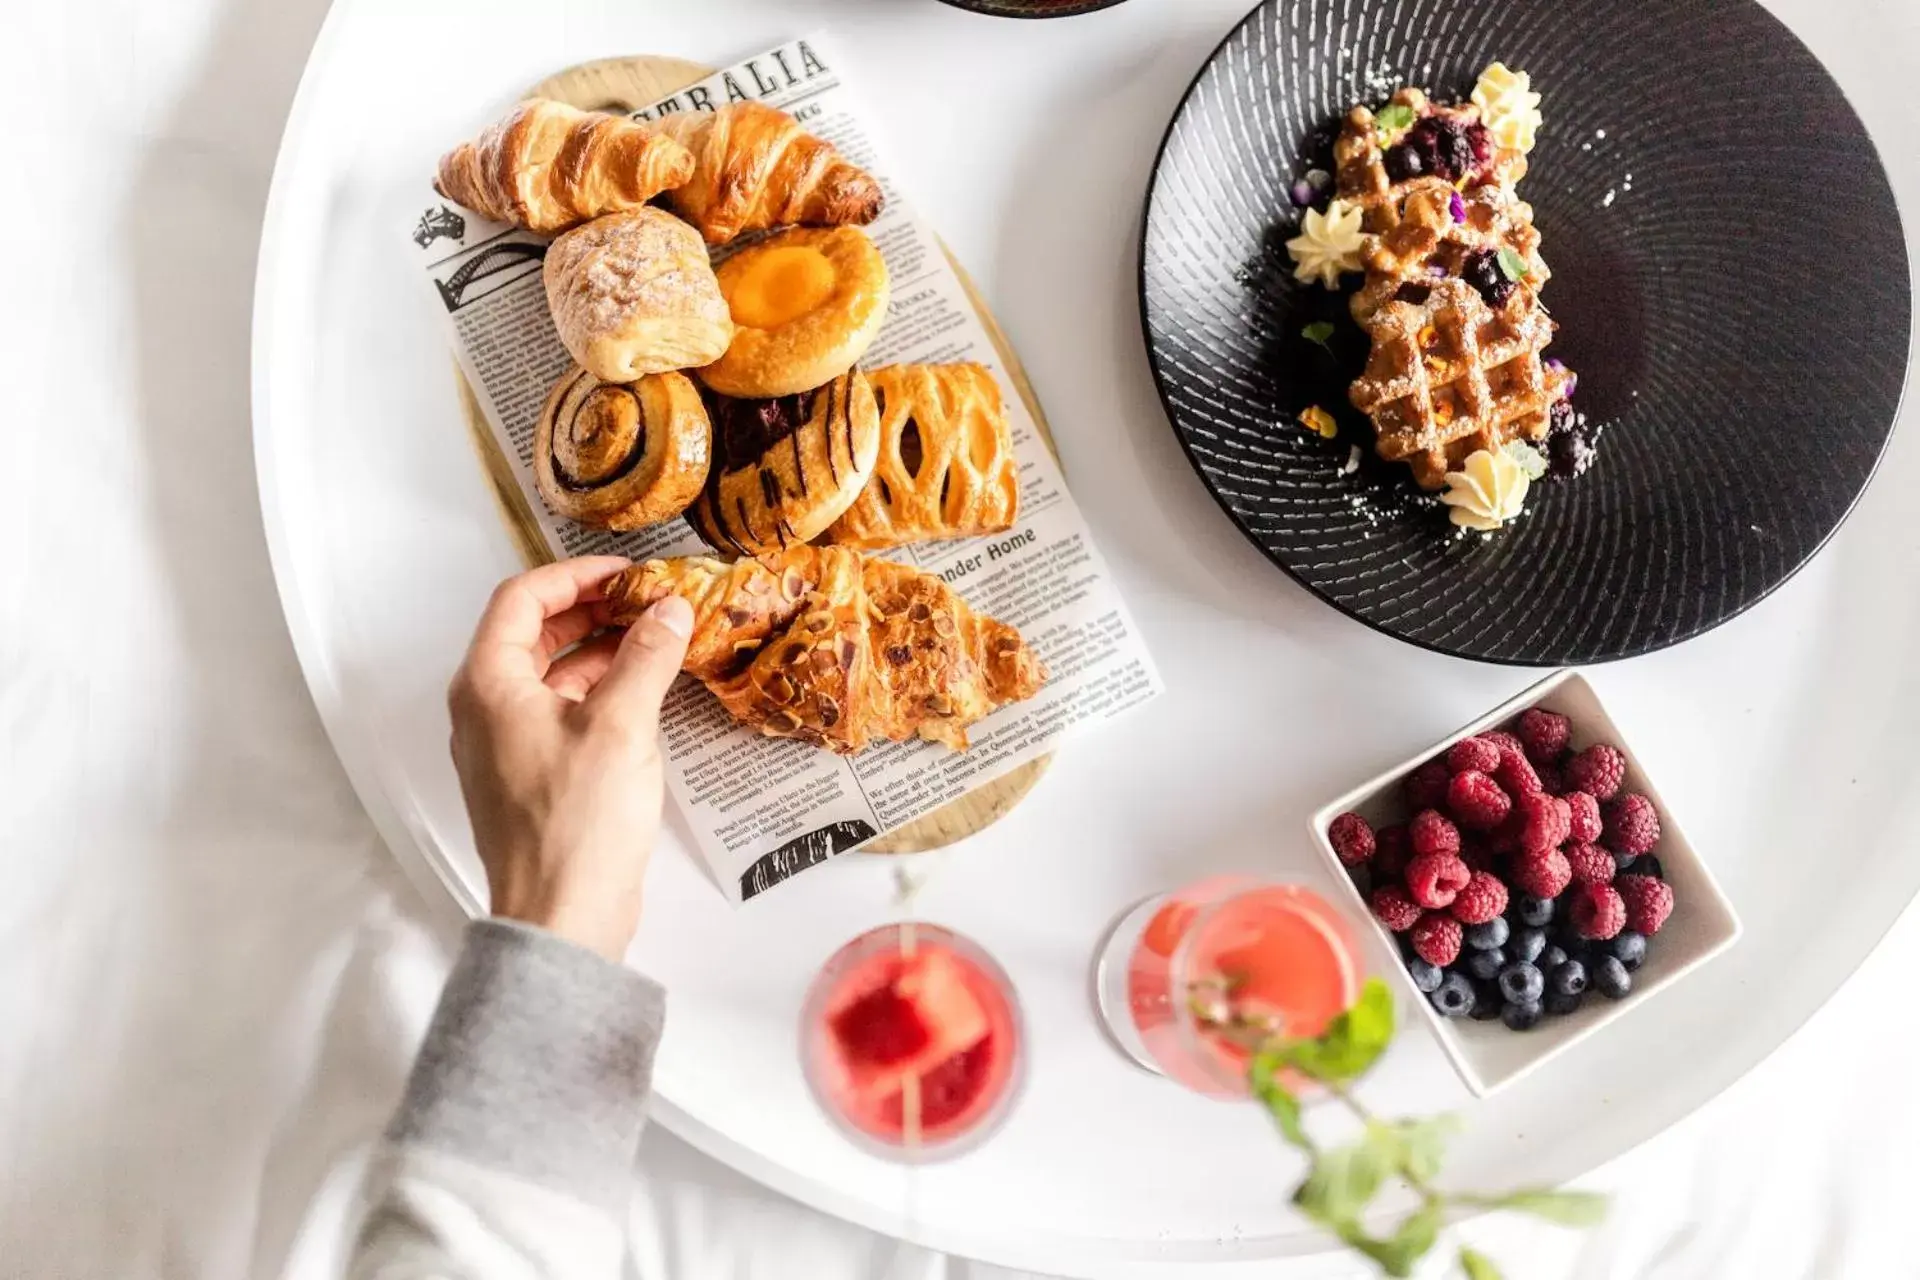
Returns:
(1278,1099)
(1531,461)
(1351,1043)
(1477,1265)
(1319,331)
(1512,265)
(1402,1251)
(1343,1181)
(1397,115)
(1568,1208)
(1423,1145)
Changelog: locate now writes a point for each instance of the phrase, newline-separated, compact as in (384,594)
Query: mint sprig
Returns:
(1512,265)
(1318,332)
(1392,118)
(1342,1181)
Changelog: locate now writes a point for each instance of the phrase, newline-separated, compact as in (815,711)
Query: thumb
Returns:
(643,668)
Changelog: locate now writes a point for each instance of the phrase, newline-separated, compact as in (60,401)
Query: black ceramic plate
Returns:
(1729,277)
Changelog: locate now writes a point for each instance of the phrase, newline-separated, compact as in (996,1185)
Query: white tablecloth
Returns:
(211,973)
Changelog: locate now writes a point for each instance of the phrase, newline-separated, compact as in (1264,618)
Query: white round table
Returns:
(1782,738)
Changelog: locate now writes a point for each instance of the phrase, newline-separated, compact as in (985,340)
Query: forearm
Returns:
(512,1150)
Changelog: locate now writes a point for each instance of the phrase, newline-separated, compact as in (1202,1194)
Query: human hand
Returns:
(559,758)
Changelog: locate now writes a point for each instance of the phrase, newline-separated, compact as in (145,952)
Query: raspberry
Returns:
(1544,734)
(1394,908)
(1477,800)
(1473,753)
(1426,787)
(1436,938)
(1351,838)
(1432,833)
(1392,851)
(1649,902)
(1585,812)
(1598,912)
(1633,825)
(1591,864)
(1503,740)
(1482,900)
(1549,819)
(1598,771)
(1553,780)
(1516,773)
(1545,875)
(1435,878)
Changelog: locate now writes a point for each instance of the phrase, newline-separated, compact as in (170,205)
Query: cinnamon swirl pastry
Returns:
(621,455)
(786,468)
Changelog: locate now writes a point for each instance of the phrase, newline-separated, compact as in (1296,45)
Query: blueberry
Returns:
(1427,977)
(1481,269)
(1629,948)
(1486,965)
(1404,162)
(1520,1015)
(1454,996)
(1568,979)
(1485,937)
(1447,147)
(1621,861)
(1521,983)
(1647,865)
(1610,978)
(1528,944)
(1558,1004)
(1552,958)
(1536,912)
(1486,1001)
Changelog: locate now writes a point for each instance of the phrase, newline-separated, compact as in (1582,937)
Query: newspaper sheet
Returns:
(764,808)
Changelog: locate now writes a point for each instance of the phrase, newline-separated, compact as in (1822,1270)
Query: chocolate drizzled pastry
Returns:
(784,469)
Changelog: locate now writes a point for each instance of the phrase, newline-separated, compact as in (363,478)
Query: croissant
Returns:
(827,646)
(548,166)
(755,168)
(946,467)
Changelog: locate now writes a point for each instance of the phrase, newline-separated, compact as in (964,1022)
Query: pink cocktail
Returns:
(911,1041)
(1186,981)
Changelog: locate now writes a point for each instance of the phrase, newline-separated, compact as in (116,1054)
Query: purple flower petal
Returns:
(1553,362)
(1302,193)
(1457,207)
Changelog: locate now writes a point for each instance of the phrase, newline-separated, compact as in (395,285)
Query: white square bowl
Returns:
(1487,1055)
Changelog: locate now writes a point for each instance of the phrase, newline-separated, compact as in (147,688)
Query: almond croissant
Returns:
(755,168)
(548,166)
(825,645)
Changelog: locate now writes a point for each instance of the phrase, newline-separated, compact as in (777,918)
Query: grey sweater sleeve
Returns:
(538,1063)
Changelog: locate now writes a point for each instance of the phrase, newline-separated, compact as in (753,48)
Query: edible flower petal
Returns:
(1319,421)
(1508,106)
(1328,244)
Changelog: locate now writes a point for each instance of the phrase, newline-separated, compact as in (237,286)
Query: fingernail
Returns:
(675,614)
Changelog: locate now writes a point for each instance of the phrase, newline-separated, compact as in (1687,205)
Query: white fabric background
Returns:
(211,973)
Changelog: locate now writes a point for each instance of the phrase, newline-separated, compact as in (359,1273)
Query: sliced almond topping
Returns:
(944,625)
(782,722)
(829,711)
(794,653)
(779,688)
(940,704)
(792,585)
(920,611)
(817,624)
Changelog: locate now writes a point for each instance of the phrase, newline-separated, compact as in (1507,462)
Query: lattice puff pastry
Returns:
(827,646)
(946,467)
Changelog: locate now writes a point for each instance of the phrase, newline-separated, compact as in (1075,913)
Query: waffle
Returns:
(1449,375)
(1360,166)
(1426,242)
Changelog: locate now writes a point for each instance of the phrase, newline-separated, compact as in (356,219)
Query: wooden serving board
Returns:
(623,84)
